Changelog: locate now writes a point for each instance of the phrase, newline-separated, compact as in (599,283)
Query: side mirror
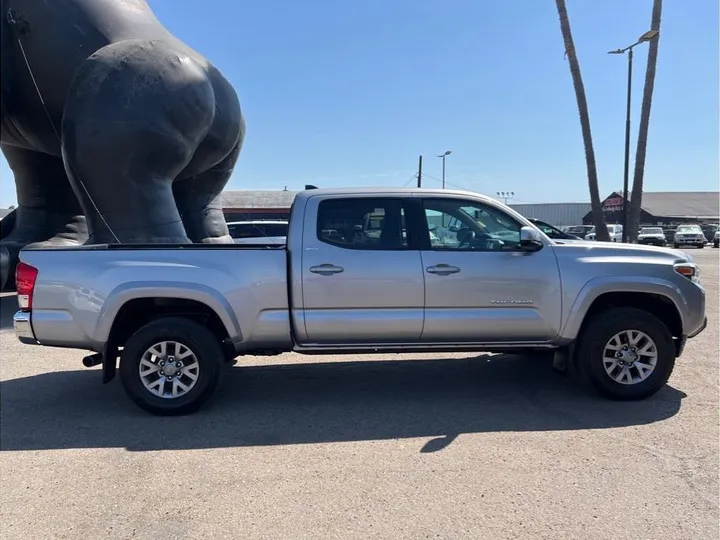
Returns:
(530,239)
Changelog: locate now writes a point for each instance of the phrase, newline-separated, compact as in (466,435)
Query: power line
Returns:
(413,177)
(425,175)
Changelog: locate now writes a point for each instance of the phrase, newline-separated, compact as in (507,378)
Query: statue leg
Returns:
(200,203)
(48,212)
(135,114)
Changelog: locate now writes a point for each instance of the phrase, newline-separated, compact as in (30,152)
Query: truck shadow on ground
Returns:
(322,402)
(8,307)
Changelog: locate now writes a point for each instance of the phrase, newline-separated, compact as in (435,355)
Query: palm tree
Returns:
(598,217)
(639,173)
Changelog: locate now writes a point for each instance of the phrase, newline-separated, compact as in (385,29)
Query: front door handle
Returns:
(326,269)
(442,269)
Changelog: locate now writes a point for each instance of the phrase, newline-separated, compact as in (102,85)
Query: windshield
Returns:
(688,229)
(549,230)
(651,230)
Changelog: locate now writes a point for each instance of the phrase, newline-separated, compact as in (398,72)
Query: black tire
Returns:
(701,246)
(598,332)
(716,244)
(203,344)
(676,246)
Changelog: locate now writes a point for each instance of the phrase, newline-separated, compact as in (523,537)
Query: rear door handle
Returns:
(326,269)
(442,269)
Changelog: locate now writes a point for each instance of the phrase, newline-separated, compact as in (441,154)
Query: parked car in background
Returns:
(553,232)
(578,230)
(615,231)
(709,230)
(259,231)
(669,233)
(716,239)
(689,235)
(652,236)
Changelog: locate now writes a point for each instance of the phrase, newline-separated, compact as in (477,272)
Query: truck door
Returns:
(361,281)
(479,286)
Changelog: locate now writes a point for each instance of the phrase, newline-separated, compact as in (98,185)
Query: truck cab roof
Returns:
(407,191)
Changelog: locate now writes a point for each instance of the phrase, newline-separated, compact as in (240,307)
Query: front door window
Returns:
(460,225)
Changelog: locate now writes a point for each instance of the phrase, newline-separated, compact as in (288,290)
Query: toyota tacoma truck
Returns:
(364,271)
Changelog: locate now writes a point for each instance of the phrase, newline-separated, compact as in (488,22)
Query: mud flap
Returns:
(563,358)
(110,354)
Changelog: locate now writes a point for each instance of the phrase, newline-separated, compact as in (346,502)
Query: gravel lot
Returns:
(356,447)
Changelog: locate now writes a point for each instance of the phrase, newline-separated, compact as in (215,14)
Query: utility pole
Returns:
(420,172)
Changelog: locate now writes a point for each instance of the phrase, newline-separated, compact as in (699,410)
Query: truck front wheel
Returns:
(626,353)
(171,366)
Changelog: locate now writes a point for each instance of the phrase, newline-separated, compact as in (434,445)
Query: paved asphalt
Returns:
(361,447)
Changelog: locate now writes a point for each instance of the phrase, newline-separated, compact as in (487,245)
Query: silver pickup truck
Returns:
(364,271)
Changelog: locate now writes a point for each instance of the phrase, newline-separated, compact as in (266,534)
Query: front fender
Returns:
(159,289)
(598,286)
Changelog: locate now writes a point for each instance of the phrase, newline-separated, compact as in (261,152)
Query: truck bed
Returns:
(79,290)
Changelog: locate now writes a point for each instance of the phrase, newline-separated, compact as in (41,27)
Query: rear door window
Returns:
(363,223)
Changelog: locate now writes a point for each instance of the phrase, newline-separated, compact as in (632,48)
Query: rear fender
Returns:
(159,289)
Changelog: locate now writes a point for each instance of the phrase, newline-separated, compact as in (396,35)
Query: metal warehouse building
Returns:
(659,208)
(557,214)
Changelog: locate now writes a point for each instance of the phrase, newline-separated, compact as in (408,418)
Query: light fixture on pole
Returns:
(443,156)
(647,36)
(506,195)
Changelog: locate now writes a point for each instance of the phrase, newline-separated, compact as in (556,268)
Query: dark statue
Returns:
(115,130)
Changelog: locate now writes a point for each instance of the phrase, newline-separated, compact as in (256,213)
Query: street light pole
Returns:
(626,176)
(647,36)
(443,156)
(443,174)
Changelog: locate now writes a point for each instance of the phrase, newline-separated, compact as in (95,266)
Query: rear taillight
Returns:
(25,276)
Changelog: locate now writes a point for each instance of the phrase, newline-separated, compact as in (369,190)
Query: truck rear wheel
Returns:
(171,366)
(626,353)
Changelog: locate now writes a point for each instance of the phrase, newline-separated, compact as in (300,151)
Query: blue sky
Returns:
(350,93)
